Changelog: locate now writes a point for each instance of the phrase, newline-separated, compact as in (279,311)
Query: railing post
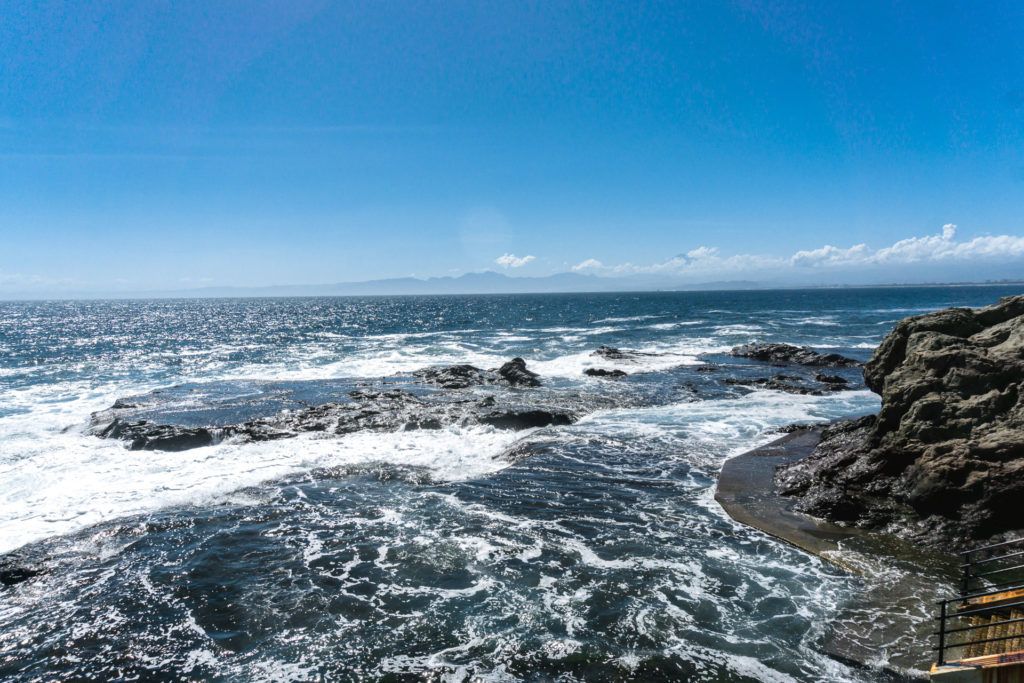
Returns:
(965,576)
(942,633)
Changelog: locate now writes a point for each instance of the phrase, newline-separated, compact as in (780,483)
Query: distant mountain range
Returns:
(487,282)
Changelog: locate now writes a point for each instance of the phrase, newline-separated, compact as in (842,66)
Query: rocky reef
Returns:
(379,410)
(943,461)
(513,373)
(788,354)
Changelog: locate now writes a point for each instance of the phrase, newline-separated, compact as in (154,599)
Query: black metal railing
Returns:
(992,566)
(976,620)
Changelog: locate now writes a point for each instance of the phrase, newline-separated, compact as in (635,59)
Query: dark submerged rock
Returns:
(20,566)
(943,462)
(788,354)
(12,574)
(602,372)
(526,418)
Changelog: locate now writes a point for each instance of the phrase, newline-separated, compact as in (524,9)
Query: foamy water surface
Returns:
(588,552)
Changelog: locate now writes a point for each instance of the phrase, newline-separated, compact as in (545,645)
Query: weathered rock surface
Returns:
(515,373)
(943,462)
(612,353)
(457,376)
(525,418)
(368,410)
(818,385)
(788,354)
(790,385)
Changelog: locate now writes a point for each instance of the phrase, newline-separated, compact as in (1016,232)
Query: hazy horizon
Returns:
(481,283)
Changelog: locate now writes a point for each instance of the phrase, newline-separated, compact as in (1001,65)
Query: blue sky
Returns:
(171,145)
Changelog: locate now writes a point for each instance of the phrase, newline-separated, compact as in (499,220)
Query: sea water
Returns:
(593,551)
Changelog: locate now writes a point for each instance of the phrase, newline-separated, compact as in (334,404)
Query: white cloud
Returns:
(940,248)
(829,255)
(513,261)
(702,253)
(589,264)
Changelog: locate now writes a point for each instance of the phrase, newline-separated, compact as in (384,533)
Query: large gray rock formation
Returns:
(944,459)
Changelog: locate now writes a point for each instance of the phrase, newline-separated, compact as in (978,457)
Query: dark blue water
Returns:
(587,552)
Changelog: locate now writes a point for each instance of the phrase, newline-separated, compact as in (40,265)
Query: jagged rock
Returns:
(145,435)
(610,352)
(788,354)
(830,379)
(456,376)
(778,383)
(944,460)
(515,373)
(601,372)
(369,410)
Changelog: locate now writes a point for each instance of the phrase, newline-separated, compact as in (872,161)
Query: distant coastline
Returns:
(484,283)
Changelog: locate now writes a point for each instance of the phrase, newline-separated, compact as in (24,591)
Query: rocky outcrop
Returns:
(368,410)
(515,373)
(602,372)
(785,383)
(612,353)
(526,418)
(944,459)
(456,376)
(143,435)
(788,354)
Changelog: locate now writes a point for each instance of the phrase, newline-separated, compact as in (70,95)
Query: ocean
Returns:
(590,551)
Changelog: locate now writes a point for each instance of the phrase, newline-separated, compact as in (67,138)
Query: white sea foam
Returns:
(628,319)
(675,325)
(731,425)
(55,480)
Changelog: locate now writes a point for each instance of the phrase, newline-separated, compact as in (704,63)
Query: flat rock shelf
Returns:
(746,491)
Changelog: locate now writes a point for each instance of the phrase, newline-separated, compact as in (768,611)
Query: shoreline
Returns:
(746,491)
